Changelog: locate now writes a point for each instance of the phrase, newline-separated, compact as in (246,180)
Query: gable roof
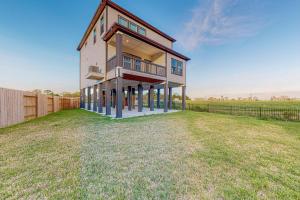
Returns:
(113,5)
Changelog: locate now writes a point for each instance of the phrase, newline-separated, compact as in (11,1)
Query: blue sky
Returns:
(236,46)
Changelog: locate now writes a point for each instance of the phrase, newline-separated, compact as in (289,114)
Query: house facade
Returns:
(121,56)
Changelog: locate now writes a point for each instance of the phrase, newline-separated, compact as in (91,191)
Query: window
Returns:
(101,25)
(133,27)
(127,62)
(173,66)
(95,36)
(137,64)
(142,31)
(123,21)
(176,67)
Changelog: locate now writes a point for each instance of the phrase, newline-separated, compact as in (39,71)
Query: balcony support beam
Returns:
(148,98)
(119,92)
(95,98)
(170,98)
(124,99)
(129,98)
(89,98)
(140,98)
(166,97)
(158,98)
(133,98)
(151,96)
(114,98)
(108,97)
(119,50)
(100,100)
(82,98)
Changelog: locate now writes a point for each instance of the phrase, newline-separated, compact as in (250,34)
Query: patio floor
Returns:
(135,113)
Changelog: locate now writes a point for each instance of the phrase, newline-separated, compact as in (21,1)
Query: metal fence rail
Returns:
(287,114)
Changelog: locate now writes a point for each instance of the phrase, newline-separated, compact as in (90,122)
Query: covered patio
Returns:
(137,98)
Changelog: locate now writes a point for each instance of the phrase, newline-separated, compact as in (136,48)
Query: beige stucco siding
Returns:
(172,77)
(93,54)
(113,18)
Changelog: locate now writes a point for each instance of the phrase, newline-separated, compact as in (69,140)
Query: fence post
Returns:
(36,105)
(260,112)
(53,106)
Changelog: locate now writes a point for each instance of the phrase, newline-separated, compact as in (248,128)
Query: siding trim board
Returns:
(113,5)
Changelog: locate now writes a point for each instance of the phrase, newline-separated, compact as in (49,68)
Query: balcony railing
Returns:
(111,63)
(138,65)
(94,69)
(94,73)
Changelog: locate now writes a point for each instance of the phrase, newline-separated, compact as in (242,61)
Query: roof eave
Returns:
(100,9)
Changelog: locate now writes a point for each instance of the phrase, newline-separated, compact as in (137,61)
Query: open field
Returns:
(294,104)
(186,155)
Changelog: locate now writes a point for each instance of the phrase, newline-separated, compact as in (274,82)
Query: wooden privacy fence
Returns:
(17,106)
(287,114)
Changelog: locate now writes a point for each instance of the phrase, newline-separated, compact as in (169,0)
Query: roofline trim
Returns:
(115,6)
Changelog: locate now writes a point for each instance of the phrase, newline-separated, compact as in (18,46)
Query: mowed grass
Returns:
(186,155)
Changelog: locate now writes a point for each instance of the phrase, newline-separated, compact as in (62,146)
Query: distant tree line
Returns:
(51,93)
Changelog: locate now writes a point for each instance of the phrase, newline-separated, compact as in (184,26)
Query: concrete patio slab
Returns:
(135,113)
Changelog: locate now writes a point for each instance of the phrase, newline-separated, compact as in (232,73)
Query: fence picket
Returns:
(17,106)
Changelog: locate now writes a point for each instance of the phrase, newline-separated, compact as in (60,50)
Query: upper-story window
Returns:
(123,21)
(142,31)
(176,67)
(133,26)
(102,25)
(95,36)
(128,24)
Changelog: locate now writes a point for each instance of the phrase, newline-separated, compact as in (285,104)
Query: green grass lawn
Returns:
(186,155)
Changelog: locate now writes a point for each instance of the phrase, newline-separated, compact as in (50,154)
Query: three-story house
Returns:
(121,55)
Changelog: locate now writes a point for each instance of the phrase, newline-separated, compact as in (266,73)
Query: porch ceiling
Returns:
(133,44)
(118,28)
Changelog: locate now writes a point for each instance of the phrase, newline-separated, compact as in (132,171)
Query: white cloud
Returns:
(215,22)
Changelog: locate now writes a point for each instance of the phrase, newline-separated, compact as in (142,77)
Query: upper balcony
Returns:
(137,59)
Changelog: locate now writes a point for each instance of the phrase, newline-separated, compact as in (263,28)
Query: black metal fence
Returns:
(287,114)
